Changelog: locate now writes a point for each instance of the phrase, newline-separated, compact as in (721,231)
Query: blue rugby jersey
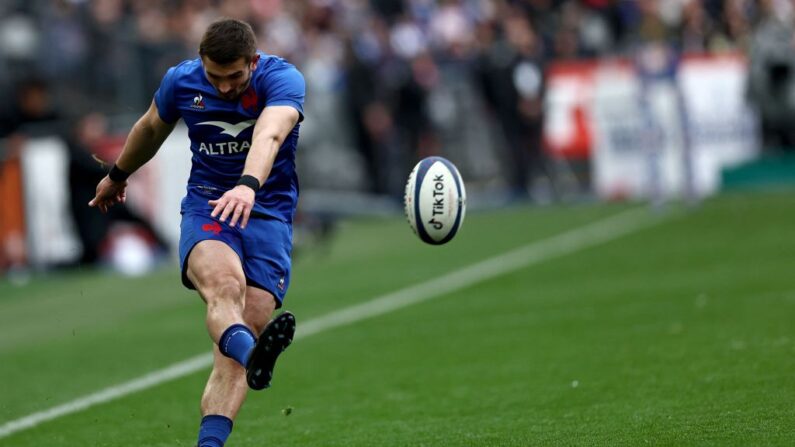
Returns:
(220,131)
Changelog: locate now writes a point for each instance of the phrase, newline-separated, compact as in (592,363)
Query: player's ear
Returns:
(254,61)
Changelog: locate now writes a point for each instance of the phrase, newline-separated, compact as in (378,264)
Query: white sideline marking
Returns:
(569,242)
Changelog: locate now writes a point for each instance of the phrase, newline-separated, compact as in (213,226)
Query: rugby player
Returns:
(242,109)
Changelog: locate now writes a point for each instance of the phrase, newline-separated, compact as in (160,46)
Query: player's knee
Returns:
(226,287)
(259,310)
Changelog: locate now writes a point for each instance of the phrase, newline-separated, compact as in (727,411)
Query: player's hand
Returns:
(236,202)
(108,194)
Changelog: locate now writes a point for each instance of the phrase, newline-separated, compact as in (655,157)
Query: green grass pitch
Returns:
(682,333)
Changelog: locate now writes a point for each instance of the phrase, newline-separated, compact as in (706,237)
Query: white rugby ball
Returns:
(435,200)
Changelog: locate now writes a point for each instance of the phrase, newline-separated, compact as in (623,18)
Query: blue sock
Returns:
(236,342)
(214,430)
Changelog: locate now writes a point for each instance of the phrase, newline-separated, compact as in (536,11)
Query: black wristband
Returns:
(117,175)
(250,181)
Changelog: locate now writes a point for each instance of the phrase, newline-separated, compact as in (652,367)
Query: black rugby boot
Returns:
(273,340)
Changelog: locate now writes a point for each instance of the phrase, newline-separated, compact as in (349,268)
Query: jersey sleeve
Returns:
(285,86)
(164,98)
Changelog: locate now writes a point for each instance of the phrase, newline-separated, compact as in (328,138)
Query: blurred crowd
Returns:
(381,58)
(389,81)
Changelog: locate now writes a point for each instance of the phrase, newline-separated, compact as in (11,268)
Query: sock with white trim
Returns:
(236,342)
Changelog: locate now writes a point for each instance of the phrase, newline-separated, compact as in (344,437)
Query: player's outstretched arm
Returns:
(273,126)
(143,142)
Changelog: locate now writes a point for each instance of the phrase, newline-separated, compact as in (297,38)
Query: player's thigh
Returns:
(213,263)
(259,308)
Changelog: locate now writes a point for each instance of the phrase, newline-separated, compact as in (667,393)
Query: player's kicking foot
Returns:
(274,339)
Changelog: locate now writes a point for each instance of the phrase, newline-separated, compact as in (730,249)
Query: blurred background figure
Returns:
(511,71)
(12,231)
(772,76)
(89,143)
(535,101)
(32,112)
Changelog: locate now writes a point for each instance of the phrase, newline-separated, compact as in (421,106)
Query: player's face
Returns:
(230,80)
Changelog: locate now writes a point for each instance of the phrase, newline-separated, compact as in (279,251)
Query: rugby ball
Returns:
(435,200)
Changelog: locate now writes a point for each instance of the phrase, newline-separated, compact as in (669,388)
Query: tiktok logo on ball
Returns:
(438,201)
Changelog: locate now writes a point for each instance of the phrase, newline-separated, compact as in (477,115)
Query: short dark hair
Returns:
(227,40)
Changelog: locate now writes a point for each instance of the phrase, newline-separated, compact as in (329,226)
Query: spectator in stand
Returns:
(32,112)
(390,84)
(511,73)
(772,76)
(33,109)
(12,232)
(696,29)
(88,143)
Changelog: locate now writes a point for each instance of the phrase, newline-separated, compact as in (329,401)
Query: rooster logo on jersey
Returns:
(198,102)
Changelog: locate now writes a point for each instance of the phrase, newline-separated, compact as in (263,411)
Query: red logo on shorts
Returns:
(214,227)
